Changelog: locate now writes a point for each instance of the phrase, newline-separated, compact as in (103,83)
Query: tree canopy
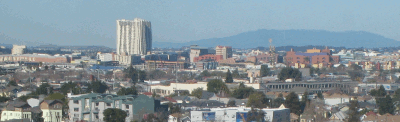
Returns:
(217,86)
(97,87)
(354,115)
(197,92)
(12,83)
(127,91)
(292,102)
(289,72)
(242,92)
(265,71)
(229,78)
(257,100)
(114,115)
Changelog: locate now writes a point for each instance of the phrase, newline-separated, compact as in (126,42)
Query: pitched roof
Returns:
(370,113)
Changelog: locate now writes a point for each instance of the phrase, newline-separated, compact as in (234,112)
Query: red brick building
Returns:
(208,57)
(316,57)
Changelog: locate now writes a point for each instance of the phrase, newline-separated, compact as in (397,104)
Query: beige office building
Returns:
(225,51)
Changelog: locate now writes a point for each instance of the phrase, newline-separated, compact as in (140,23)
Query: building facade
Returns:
(105,56)
(18,49)
(196,51)
(225,51)
(238,114)
(16,110)
(208,57)
(52,110)
(33,58)
(322,58)
(134,37)
(90,107)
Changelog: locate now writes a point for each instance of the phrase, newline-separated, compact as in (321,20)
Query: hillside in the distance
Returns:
(251,39)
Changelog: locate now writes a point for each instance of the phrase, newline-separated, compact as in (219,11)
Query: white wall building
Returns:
(105,56)
(133,36)
(234,114)
(18,49)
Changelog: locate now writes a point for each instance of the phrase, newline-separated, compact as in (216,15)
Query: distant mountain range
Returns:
(259,38)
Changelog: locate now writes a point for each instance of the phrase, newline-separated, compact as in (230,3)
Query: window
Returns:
(10,114)
(97,116)
(127,106)
(76,101)
(76,115)
(108,104)
(97,104)
(76,109)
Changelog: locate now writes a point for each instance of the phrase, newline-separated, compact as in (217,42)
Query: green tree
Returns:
(67,87)
(292,102)
(242,92)
(386,105)
(289,72)
(255,115)
(264,71)
(12,83)
(354,115)
(229,78)
(127,91)
(320,96)
(173,108)
(45,89)
(381,92)
(197,92)
(114,115)
(278,101)
(257,100)
(46,67)
(205,73)
(231,103)
(37,117)
(304,100)
(217,86)
(235,73)
(396,96)
(97,87)
(142,75)
(53,67)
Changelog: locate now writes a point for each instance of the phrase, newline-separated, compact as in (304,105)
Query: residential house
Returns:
(339,116)
(52,110)
(16,110)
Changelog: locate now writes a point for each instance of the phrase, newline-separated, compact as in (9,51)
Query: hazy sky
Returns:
(90,22)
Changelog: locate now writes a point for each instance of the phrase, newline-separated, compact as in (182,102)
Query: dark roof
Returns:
(204,103)
(36,109)
(206,95)
(16,104)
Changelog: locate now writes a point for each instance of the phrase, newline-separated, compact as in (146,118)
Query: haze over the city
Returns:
(94,22)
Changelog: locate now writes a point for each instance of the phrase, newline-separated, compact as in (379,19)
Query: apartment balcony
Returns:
(87,110)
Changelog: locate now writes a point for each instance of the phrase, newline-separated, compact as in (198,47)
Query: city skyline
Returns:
(73,22)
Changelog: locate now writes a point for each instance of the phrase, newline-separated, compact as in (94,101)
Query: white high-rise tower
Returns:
(133,37)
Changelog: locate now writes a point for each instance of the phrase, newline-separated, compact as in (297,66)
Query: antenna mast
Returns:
(272,53)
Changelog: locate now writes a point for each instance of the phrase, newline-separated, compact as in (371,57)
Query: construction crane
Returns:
(272,53)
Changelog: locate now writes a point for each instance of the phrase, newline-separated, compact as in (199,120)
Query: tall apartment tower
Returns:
(133,37)
(225,51)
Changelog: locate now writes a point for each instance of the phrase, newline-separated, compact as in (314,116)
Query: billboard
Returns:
(209,116)
(239,117)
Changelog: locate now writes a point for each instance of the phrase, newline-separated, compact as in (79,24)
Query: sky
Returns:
(90,22)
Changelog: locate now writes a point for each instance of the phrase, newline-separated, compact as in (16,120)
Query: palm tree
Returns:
(306,59)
